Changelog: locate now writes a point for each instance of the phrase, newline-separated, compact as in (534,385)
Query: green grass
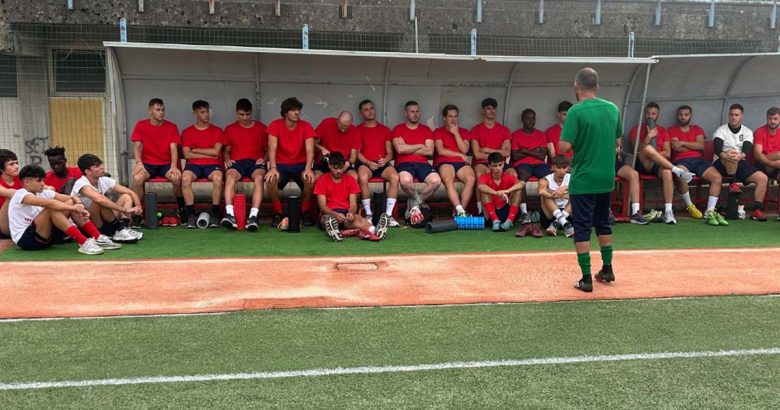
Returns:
(184,243)
(304,339)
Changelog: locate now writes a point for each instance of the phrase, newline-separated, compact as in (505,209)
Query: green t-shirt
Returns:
(591,127)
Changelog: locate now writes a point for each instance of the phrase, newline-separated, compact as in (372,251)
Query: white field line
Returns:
(340,371)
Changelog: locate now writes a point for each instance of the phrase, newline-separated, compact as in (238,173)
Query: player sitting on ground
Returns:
(61,177)
(500,192)
(38,218)
(337,198)
(10,182)
(766,147)
(554,194)
(111,217)
(529,149)
(245,145)
(452,145)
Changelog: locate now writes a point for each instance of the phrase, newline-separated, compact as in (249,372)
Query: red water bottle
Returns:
(239,208)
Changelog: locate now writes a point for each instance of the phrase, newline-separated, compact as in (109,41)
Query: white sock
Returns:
(565,214)
(711,202)
(676,171)
(372,229)
(634,208)
(668,207)
(687,198)
(367,205)
(229,209)
(524,208)
(253,212)
(389,206)
(460,209)
(557,213)
(479,207)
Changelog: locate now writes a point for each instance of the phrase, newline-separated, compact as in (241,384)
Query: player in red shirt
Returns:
(337,134)
(487,137)
(10,182)
(686,141)
(452,145)
(61,177)
(202,144)
(156,152)
(413,143)
(553,134)
(654,152)
(290,157)
(766,145)
(529,150)
(374,156)
(337,198)
(500,193)
(244,156)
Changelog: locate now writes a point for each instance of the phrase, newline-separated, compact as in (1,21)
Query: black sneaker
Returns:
(213,218)
(639,219)
(605,274)
(251,224)
(229,221)
(191,222)
(584,286)
(276,220)
(135,221)
(307,221)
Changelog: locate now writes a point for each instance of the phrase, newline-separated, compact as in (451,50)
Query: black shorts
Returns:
(377,173)
(744,170)
(288,172)
(590,211)
(201,171)
(337,210)
(771,173)
(619,164)
(502,213)
(537,170)
(697,165)
(456,165)
(4,236)
(639,167)
(322,167)
(31,241)
(419,170)
(247,167)
(157,170)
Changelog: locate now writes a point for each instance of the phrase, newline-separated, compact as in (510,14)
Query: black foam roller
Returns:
(294,212)
(441,226)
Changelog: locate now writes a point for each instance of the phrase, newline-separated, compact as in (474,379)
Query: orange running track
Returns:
(142,287)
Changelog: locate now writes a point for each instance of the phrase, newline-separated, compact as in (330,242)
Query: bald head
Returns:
(344,121)
(587,79)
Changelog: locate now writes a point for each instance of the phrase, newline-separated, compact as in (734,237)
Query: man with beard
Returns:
(766,146)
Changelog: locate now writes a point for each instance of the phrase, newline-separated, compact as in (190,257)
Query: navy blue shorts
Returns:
(201,171)
(697,165)
(419,170)
(377,173)
(639,167)
(771,173)
(320,166)
(157,170)
(590,211)
(539,170)
(502,213)
(744,170)
(619,164)
(456,165)
(288,172)
(247,167)
(31,241)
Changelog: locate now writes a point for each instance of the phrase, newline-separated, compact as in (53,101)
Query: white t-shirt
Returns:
(553,186)
(733,141)
(103,185)
(21,216)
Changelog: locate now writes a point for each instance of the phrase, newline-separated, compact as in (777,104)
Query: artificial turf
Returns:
(220,242)
(305,339)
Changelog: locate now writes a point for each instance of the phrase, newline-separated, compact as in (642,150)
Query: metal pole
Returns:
(305,36)
(123,30)
(212,6)
(658,13)
(641,115)
(140,6)
(70,5)
(412,16)
(473,41)
(416,36)
(597,20)
(479,11)
(711,18)
(773,16)
(631,43)
(541,12)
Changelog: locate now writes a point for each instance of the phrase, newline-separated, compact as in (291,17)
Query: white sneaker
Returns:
(669,218)
(138,235)
(90,247)
(687,176)
(391,222)
(124,236)
(104,242)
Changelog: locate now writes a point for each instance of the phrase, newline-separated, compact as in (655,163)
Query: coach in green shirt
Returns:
(591,129)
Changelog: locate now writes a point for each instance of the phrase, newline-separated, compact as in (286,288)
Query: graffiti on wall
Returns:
(34,148)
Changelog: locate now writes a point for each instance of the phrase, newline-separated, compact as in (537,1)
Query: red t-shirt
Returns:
(156,141)
(336,194)
(507,181)
(769,143)
(690,136)
(372,141)
(192,137)
(523,140)
(448,141)
(553,135)
(16,185)
(334,140)
(52,180)
(291,145)
(662,136)
(491,138)
(412,137)
(246,143)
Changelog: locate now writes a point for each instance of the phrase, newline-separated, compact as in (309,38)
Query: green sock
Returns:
(583,259)
(606,254)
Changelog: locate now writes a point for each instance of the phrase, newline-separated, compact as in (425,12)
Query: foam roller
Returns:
(441,226)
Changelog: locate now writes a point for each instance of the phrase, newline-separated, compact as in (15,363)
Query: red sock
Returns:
(305,206)
(277,205)
(512,213)
(491,211)
(91,229)
(74,233)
